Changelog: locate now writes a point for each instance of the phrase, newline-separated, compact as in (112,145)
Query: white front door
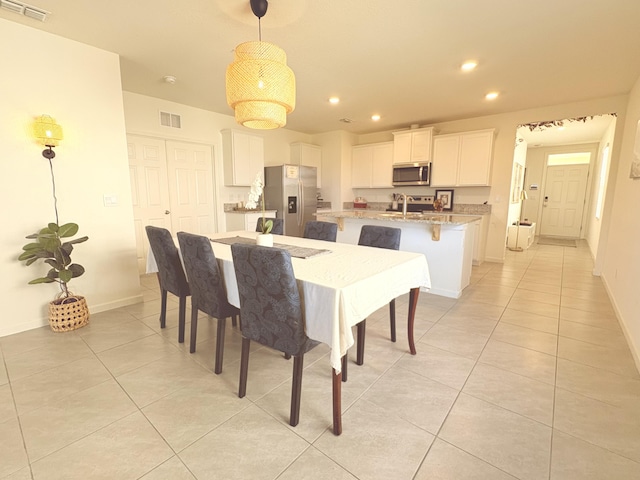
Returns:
(149,190)
(190,173)
(563,201)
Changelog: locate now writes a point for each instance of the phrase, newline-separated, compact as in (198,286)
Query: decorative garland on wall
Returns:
(541,126)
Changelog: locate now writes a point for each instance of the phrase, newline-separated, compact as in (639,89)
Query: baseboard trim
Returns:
(44,321)
(635,351)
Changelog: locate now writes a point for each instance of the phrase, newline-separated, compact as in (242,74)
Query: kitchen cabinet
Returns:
(372,165)
(462,159)
(243,157)
(412,145)
(246,220)
(309,155)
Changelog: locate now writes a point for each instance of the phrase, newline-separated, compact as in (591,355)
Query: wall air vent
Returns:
(170,120)
(24,9)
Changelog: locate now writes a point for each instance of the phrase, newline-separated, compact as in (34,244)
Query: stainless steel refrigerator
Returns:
(291,190)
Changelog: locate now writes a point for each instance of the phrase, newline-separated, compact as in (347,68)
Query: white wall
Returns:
(80,87)
(621,250)
(142,117)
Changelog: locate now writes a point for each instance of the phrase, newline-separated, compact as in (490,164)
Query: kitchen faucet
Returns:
(405,199)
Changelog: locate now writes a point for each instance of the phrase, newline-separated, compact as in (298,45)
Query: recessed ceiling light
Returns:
(346,120)
(375,117)
(334,100)
(561,128)
(491,95)
(468,66)
(170,79)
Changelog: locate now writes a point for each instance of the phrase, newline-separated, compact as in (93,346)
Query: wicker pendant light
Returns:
(261,88)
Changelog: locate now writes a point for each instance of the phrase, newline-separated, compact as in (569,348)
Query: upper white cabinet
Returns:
(243,157)
(372,165)
(309,155)
(412,145)
(462,159)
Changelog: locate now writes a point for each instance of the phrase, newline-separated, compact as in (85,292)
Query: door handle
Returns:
(167,212)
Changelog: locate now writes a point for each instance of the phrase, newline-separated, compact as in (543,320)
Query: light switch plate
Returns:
(110,200)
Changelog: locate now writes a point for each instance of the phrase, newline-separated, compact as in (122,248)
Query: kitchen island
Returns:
(449,258)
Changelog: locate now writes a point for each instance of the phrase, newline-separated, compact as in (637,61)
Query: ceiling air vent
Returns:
(170,120)
(24,9)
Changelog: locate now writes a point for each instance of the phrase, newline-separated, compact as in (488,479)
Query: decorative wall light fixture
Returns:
(261,88)
(48,133)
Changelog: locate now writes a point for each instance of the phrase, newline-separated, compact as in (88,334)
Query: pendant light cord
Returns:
(259,29)
(53,183)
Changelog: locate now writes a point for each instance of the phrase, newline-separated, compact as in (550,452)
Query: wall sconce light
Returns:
(260,87)
(48,133)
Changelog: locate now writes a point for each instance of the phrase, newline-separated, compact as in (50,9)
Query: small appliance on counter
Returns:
(360,202)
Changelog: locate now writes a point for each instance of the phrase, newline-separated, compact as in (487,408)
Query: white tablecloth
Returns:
(338,289)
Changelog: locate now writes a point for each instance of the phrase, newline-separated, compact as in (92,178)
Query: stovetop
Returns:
(416,204)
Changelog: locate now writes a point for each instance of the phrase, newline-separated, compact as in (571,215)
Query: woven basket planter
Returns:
(68,314)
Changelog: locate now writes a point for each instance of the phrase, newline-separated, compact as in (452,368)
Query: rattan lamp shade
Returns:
(261,88)
(47,131)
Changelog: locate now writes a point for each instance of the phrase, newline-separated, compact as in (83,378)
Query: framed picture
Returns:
(635,161)
(517,182)
(446,197)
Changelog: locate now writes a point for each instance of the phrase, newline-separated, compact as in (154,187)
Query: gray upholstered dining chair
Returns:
(208,293)
(379,237)
(271,312)
(278,225)
(170,274)
(321,231)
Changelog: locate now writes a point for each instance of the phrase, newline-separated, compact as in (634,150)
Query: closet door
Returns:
(149,190)
(172,186)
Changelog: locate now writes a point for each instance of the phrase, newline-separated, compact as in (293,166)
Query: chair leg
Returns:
(360,347)
(345,365)
(392,319)
(287,356)
(163,308)
(296,390)
(220,345)
(194,326)
(244,367)
(182,311)
(234,321)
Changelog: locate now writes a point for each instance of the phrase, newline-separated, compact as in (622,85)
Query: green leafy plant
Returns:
(50,246)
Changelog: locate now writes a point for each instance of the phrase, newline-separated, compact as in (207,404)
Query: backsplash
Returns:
(466,208)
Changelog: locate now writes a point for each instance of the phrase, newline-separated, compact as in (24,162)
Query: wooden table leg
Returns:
(337,402)
(413,303)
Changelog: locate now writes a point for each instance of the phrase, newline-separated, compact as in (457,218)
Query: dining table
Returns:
(340,285)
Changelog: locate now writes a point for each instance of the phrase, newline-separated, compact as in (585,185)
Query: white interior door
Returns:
(563,201)
(190,174)
(149,190)
(171,187)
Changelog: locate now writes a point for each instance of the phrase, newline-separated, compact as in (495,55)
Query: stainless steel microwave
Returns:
(416,173)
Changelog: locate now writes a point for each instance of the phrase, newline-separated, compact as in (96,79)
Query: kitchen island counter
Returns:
(438,218)
(445,239)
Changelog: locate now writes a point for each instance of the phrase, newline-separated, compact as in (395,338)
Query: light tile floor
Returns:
(527,376)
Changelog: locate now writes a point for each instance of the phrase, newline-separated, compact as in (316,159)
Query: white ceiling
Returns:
(397,58)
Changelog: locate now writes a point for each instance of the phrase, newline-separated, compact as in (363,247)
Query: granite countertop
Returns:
(437,218)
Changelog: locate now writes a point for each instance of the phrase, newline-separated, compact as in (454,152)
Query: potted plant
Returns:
(53,245)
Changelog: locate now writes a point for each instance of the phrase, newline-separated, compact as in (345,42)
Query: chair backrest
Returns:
(205,280)
(170,271)
(270,305)
(321,231)
(278,225)
(380,237)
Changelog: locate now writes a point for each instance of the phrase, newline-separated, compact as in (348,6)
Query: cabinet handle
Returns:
(167,212)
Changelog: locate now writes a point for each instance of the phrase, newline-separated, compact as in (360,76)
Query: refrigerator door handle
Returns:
(300,203)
